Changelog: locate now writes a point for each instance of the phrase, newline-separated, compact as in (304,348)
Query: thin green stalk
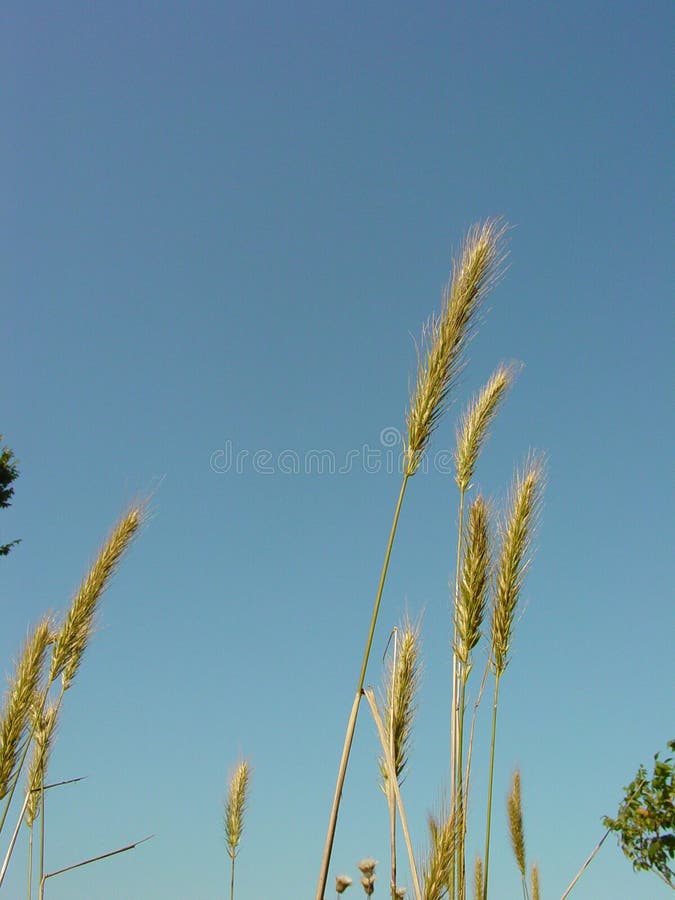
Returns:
(30,862)
(461,810)
(232,880)
(391,799)
(42,820)
(490,783)
(455,679)
(351,724)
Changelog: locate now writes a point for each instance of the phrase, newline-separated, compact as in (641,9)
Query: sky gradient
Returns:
(223,225)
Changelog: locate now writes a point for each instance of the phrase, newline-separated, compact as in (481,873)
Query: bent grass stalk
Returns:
(391,768)
(439,363)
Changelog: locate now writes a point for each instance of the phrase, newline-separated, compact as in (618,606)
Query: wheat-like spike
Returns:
(535,881)
(515,817)
(474,581)
(18,704)
(235,806)
(44,735)
(516,539)
(436,873)
(478,879)
(472,430)
(402,682)
(446,335)
(72,639)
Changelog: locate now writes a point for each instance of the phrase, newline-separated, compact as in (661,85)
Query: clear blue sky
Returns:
(222,226)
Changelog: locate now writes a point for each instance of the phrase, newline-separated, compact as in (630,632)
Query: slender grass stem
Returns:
(30,863)
(391,798)
(461,810)
(42,820)
(455,677)
(232,879)
(351,724)
(490,785)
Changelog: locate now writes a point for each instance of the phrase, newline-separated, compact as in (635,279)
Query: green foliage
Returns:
(9,471)
(645,821)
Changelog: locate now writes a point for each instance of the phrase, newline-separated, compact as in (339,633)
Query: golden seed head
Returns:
(441,856)
(517,532)
(402,680)
(44,735)
(474,424)
(515,817)
(445,336)
(20,700)
(474,581)
(478,879)
(535,882)
(235,806)
(72,639)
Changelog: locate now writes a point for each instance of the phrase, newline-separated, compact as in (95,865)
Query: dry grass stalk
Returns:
(437,869)
(18,705)
(369,694)
(535,882)
(516,539)
(515,816)
(446,335)
(473,426)
(235,807)
(72,639)
(478,879)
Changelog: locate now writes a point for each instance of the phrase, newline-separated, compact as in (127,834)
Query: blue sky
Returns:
(223,226)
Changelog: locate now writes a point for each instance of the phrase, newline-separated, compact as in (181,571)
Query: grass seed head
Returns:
(474,581)
(445,336)
(515,817)
(474,424)
(20,699)
(72,639)
(436,872)
(402,681)
(478,879)
(517,532)
(44,737)
(535,882)
(235,807)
